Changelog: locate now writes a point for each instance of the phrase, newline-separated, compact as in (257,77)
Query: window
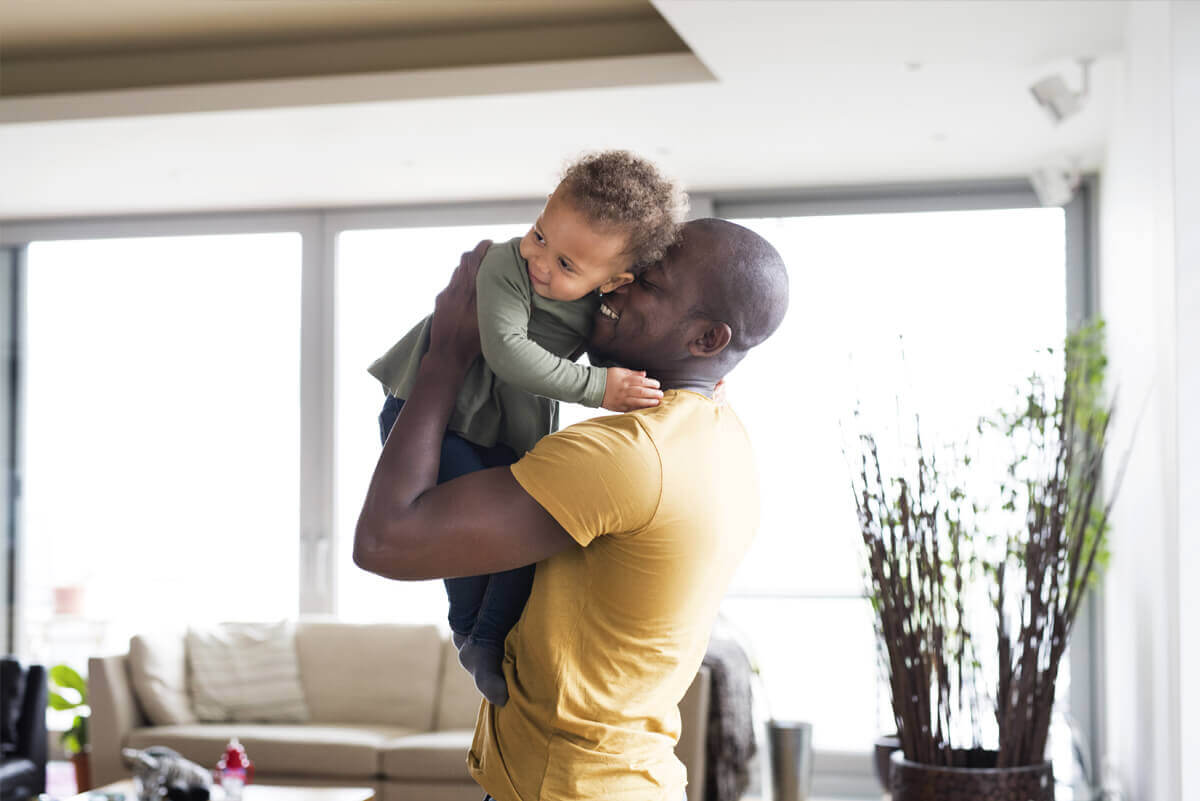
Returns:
(161,434)
(941,309)
(387,281)
(160,438)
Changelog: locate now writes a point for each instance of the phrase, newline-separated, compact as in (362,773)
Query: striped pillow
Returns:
(246,672)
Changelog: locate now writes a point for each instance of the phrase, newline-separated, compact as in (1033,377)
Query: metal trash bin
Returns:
(791,758)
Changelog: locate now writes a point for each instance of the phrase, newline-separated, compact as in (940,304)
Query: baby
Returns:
(611,215)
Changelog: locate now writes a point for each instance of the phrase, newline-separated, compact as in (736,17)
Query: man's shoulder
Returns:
(687,428)
(605,431)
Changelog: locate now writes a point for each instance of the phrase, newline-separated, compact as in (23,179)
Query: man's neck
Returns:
(699,385)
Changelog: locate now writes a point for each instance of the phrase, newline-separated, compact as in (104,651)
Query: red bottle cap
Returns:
(235,756)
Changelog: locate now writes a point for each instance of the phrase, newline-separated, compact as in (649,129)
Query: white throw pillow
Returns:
(158,672)
(246,672)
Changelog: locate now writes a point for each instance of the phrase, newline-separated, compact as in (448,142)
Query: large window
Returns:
(162,434)
(386,281)
(942,312)
(161,414)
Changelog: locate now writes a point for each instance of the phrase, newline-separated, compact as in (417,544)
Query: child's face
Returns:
(568,257)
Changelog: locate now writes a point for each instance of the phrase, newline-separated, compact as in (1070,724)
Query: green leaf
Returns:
(70,743)
(60,703)
(67,677)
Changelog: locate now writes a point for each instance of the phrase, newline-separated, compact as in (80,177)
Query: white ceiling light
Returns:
(1055,96)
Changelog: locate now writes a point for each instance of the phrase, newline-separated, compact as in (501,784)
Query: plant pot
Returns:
(979,780)
(83,771)
(884,748)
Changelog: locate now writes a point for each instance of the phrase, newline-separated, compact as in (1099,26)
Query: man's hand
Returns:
(626,390)
(454,334)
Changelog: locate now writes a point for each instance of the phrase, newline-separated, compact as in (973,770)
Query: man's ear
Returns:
(712,340)
(617,281)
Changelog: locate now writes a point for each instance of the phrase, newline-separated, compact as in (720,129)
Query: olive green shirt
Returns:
(529,345)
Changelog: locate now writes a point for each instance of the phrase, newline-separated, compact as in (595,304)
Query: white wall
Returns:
(1150,296)
(1185,53)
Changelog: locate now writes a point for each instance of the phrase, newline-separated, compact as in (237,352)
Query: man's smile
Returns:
(608,312)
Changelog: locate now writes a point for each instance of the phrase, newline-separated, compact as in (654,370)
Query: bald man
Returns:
(636,522)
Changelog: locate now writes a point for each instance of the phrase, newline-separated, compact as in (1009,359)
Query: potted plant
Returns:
(69,692)
(961,563)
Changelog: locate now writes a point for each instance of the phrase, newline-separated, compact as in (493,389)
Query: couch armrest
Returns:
(115,713)
(693,732)
(32,737)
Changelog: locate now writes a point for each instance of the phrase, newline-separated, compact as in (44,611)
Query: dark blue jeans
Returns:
(484,608)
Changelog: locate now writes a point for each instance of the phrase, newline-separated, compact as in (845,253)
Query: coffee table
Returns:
(253,792)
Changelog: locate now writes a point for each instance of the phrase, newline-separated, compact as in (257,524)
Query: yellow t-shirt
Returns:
(664,502)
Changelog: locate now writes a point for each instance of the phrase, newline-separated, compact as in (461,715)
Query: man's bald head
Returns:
(718,291)
(743,280)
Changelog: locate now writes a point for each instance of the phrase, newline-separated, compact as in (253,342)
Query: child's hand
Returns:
(626,390)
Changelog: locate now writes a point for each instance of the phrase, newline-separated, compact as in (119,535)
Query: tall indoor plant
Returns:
(959,562)
(69,692)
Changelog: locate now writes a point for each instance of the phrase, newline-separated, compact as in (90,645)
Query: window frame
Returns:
(837,774)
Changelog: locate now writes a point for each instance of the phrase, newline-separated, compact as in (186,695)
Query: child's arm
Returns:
(504,303)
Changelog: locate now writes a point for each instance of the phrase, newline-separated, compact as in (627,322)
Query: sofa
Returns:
(23,737)
(389,707)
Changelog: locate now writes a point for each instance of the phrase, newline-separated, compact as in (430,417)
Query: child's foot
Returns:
(458,639)
(483,664)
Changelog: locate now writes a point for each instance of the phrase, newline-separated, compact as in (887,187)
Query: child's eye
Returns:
(566,267)
(538,237)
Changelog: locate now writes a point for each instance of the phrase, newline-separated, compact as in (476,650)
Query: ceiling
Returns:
(60,26)
(773,94)
(72,46)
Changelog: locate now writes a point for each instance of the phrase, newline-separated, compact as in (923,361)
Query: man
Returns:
(636,521)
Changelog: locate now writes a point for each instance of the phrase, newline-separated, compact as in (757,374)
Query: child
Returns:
(610,216)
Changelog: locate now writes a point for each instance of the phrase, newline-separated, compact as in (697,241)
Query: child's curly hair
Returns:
(618,189)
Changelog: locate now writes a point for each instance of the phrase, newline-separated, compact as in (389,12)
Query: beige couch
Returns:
(389,708)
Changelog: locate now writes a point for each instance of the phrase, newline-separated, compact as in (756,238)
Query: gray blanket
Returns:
(730,744)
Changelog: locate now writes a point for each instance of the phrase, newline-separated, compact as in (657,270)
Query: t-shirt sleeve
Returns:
(504,300)
(599,477)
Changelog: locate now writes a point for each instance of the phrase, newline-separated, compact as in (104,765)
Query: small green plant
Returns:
(69,691)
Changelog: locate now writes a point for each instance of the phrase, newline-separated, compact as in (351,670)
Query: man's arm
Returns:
(484,522)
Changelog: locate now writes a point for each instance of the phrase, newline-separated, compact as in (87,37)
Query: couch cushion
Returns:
(284,749)
(458,700)
(158,672)
(435,755)
(246,672)
(401,790)
(369,673)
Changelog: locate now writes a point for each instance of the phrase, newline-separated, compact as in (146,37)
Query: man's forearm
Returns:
(409,464)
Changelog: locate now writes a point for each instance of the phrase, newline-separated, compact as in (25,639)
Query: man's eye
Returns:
(643,282)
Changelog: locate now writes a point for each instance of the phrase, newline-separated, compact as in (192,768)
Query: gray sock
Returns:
(483,664)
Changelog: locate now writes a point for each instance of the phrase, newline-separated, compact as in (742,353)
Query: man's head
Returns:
(718,292)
